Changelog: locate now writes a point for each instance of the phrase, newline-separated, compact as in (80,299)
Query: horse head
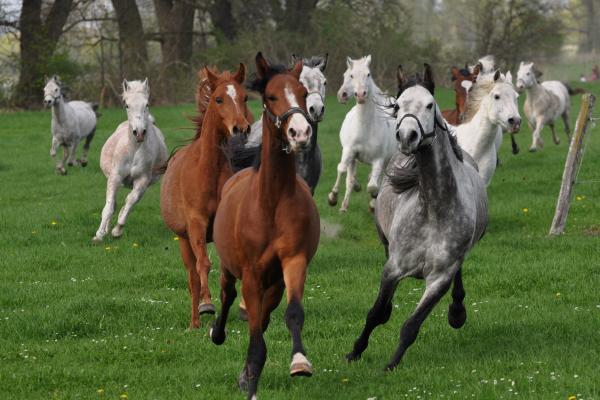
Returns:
(360,81)
(135,97)
(502,103)
(284,102)
(463,80)
(527,75)
(52,91)
(314,81)
(228,100)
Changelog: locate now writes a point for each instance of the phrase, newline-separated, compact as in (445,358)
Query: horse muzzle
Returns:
(514,125)
(140,135)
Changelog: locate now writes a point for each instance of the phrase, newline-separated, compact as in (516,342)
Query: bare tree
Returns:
(131,37)
(176,24)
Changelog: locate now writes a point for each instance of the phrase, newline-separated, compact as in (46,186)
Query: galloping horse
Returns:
(431,211)
(267,225)
(195,175)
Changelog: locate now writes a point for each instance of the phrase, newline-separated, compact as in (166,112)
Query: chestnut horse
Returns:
(267,225)
(463,79)
(195,175)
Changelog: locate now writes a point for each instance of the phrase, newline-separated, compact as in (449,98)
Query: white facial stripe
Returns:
(231,92)
(290,97)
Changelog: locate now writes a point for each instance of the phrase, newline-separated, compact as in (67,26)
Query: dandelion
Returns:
(176,238)
(135,245)
(53,223)
(107,248)
(579,198)
(100,391)
(345,380)
(558,294)
(525,210)
(123,396)
(572,398)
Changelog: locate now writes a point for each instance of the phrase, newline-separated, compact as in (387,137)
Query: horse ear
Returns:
(323,63)
(477,70)
(262,66)
(146,86)
(212,78)
(497,75)
(240,75)
(125,85)
(297,70)
(455,72)
(368,59)
(537,72)
(295,58)
(349,62)
(509,77)
(428,77)
(400,77)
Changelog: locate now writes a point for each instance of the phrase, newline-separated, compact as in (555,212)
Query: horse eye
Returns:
(126,106)
(271,98)
(497,97)
(369,75)
(529,73)
(429,106)
(351,76)
(325,83)
(219,100)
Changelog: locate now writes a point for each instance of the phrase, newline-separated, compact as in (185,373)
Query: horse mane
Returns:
(478,92)
(259,84)
(313,62)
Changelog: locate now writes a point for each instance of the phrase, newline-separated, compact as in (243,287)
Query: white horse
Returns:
(367,133)
(71,122)
(345,92)
(491,109)
(545,102)
(131,157)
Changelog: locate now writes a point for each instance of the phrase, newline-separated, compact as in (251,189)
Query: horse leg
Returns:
(457,314)
(139,187)
(294,276)
(197,235)
(257,349)
(60,167)
(53,147)
(555,138)
(72,150)
(373,186)
(350,178)
(513,142)
(189,260)
(565,118)
(228,294)
(271,301)
(109,208)
(379,314)
(332,198)
(434,291)
(537,142)
(86,148)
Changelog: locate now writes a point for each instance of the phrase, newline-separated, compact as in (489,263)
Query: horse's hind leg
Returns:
(379,314)
(457,314)
(271,301)
(342,167)
(139,187)
(257,349)
(197,235)
(555,138)
(228,294)
(86,148)
(294,276)
(189,260)
(434,291)
(350,179)
(565,118)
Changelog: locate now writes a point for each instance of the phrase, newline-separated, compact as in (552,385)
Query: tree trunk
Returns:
(176,23)
(131,36)
(294,15)
(37,44)
(222,18)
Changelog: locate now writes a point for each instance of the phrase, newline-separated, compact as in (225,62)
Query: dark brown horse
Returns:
(267,225)
(455,116)
(191,188)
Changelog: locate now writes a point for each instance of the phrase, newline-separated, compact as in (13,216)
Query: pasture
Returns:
(110,321)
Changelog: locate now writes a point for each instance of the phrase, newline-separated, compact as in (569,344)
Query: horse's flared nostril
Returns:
(344,94)
(397,136)
(364,94)
(323,110)
(144,132)
(134,131)
(511,121)
(311,110)
(413,136)
(292,132)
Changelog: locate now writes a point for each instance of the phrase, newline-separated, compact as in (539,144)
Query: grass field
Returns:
(105,322)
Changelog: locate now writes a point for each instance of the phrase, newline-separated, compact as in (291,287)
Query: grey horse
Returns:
(431,211)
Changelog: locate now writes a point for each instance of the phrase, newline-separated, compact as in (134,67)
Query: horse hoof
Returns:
(117,231)
(515,150)
(61,171)
(343,210)
(356,187)
(243,315)
(243,380)
(96,240)
(206,308)
(70,163)
(389,368)
(83,163)
(332,199)
(352,356)
(300,366)
(216,339)
(532,149)
(457,315)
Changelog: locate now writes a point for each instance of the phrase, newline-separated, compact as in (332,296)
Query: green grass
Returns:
(77,318)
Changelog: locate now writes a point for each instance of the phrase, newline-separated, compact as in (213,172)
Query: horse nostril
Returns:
(397,136)
(292,132)
(323,110)
(311,110)
(511,121)
(144,132)
(344,94)
(364,93)
(135,131)
(413,136)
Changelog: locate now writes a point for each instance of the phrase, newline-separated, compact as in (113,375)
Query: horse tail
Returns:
(89,138)
(203,93)
(574,91)
(95,107)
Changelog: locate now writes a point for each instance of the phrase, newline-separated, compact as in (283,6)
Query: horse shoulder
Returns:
(349,127)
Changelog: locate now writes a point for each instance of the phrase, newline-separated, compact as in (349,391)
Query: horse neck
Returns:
(58,110)
(535,90)
(437,181)
(212,136)
(366,112)
(277,171)
(483,130)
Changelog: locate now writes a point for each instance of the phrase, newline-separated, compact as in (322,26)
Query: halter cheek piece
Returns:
(424,135)
(278,120)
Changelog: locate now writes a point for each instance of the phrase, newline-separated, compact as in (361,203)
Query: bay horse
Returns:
(463,78)
(267,225)
(131,156)
(195,175)
(432,209)
(72,121)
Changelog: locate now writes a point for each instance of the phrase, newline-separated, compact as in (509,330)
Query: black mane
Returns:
(313,62)
(259,84)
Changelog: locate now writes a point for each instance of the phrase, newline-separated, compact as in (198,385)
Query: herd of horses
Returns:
(248,185)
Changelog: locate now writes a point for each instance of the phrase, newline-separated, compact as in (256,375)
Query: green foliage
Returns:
(78,321)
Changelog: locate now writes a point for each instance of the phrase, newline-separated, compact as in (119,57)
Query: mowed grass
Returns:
(110,321)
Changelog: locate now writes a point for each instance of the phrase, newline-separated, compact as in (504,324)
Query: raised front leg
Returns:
(228,294)
(197,236)
(60,167)
(537,142)
(72,152)
(350,179)
(378,314)
(139,187)
(342,167)
(435,289)
(53,147)
(457,314)
(112,185)
(294,275)
(253,293)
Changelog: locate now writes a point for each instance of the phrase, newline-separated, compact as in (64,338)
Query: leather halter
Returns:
(278,120)
(422,131)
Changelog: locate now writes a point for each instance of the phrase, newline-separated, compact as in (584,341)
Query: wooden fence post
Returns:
(572,165)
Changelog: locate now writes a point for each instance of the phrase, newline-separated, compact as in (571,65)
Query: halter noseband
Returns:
(422,131)
(278,120)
